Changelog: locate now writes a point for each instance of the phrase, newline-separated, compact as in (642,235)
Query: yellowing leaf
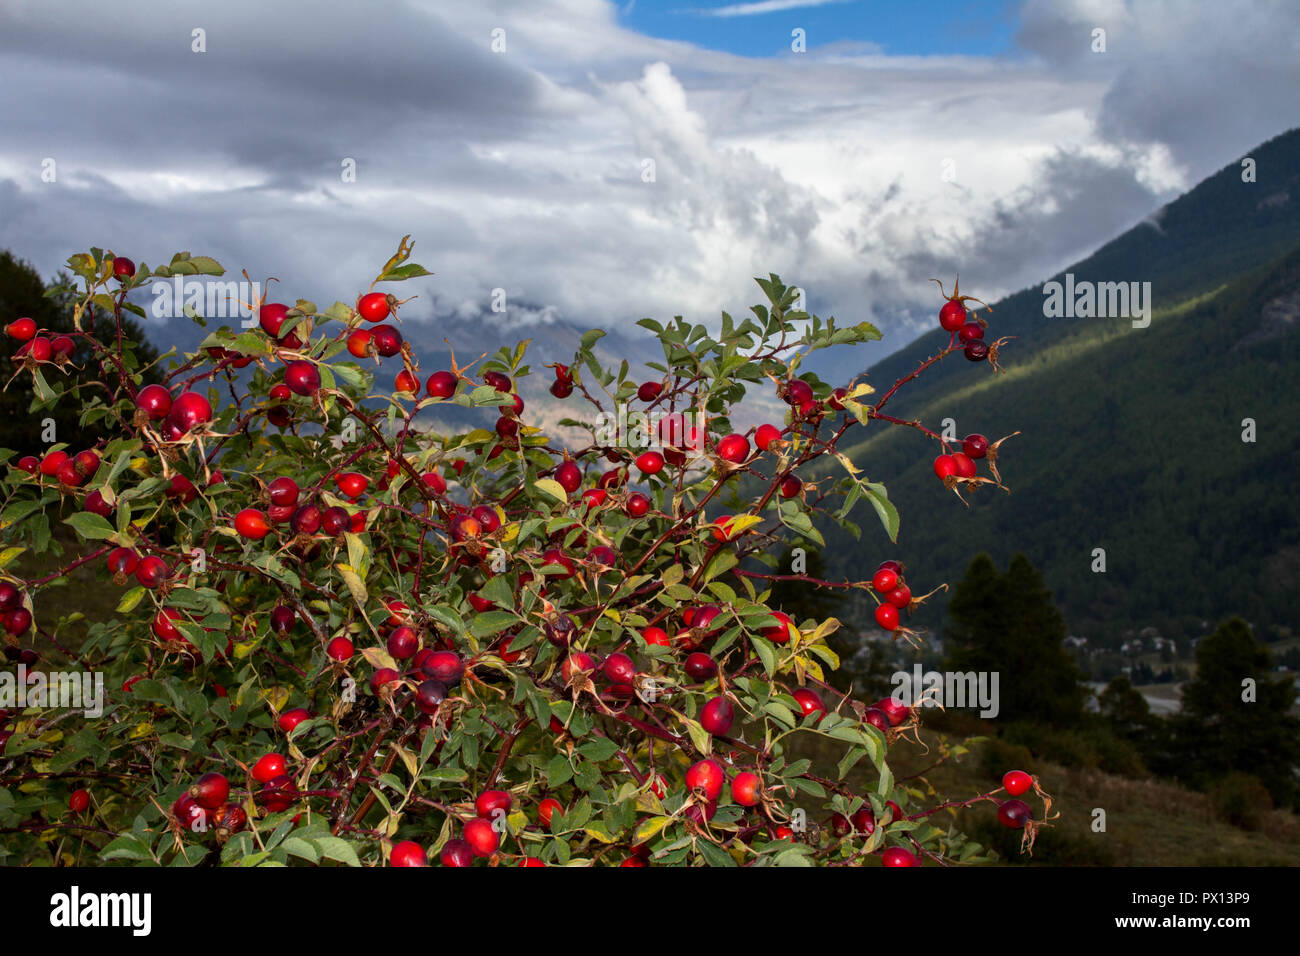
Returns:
(648,803)
(408,758)
(843,459)
(377,657)
(600,835)
(699,736)
(826,654)
(277,697)
(142,730)
(824,630)
(648,828)
(130,599)
(552,489)
(355,585)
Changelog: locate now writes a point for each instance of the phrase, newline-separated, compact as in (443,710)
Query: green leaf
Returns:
(848,760)
(90,526)
(766,653)
(444,774)
(602,748)
(125,847)
(498,591)
(558,771)
(551,489)
(130,599)
(449,617)
(793,857)
(276,569)
(304,849)
(782,713)
(886,786)
(409,271)
(19,510)
(722,562)
(491,622)
(699,736)
(879,499)
(335,848)
(714,855)
(40,387)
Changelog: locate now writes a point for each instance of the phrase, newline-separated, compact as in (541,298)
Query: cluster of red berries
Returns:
(1016,814)
(175,418)
(207,805)
(894,593)
(480,835)
(13,614)
(798,394)
(969,332)
(71,471)
(961,464)
(150,571)
(434,670)
(37,349)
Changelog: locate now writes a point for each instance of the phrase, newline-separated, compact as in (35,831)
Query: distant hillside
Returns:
(1221,229)
(1131,442)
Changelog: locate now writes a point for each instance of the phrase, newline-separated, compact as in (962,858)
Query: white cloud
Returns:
(760,7)
(523,170)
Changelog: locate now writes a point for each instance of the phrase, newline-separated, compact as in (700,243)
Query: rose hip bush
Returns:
(344,637)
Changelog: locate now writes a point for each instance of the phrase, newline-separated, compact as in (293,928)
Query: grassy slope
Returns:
(1148,822)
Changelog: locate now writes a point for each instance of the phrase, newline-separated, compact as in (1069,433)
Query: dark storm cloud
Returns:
(1206,80)
(1057,218)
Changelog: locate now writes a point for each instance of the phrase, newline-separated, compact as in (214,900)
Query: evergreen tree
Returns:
(1125,708)
(1007,623)
(1220,730)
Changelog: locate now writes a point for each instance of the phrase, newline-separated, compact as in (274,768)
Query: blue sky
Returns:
(898,27)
